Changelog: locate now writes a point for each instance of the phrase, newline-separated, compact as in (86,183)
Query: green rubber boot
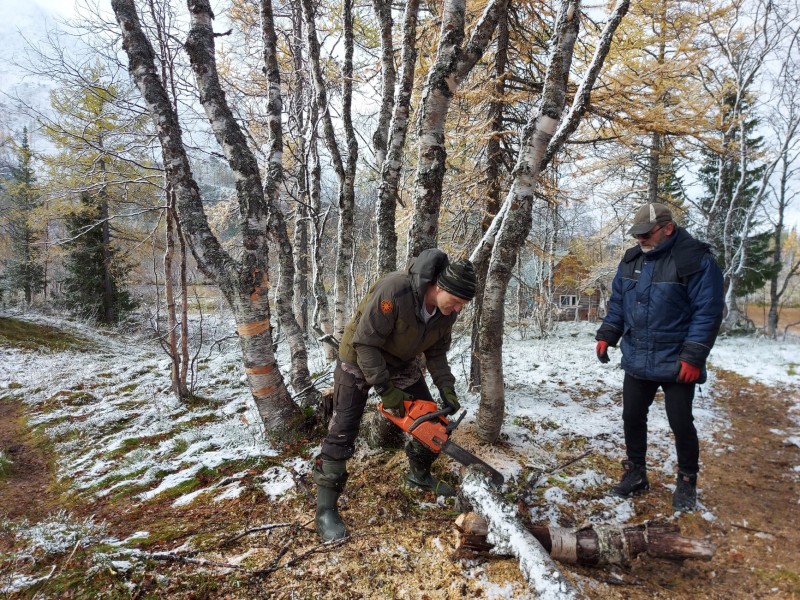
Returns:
(330,477)
(419,475)
(424,480)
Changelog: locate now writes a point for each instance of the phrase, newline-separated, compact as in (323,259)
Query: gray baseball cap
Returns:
(648,217)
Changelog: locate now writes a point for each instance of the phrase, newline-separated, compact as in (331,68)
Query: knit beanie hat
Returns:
(459,279)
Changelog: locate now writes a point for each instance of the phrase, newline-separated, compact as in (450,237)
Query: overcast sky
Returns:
(31,19)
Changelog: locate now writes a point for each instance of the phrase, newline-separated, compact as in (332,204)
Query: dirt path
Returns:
(747,482)
(25,492)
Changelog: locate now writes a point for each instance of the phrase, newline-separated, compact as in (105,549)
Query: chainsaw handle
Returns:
(431,416)
(451,425)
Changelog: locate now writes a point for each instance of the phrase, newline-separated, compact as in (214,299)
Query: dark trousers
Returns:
(637,397)
(349,400)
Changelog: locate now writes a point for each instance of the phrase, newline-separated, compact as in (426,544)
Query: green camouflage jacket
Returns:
(387,331)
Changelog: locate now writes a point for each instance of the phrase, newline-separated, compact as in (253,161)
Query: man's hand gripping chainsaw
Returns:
(428,424)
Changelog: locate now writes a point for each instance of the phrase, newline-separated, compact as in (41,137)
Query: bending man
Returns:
(403,315)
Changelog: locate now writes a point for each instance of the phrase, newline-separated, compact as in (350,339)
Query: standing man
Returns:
(403,315)
(666,306)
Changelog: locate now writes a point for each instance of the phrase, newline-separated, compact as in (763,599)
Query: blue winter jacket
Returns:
(666,305)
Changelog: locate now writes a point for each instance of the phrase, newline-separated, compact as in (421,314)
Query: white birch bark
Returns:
(299,374)
(505,528)
(388,193)
(453,63)
(383,12)
(513,223)
(244,284)
(345,171)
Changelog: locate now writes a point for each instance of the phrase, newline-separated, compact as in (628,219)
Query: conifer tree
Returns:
(758,268)
(93,286)
(24,270)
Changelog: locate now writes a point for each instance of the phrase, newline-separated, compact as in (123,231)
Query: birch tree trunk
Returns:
(178,338)
(383,12)
(542,137)
(297,130)
(322,314)
(453,63)
(517,224)
(345,173)
(244,284)
(494,166)
(300,375)
(388,194)
(776,288)
(537,567)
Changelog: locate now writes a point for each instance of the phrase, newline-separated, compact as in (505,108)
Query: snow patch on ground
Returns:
(116,424)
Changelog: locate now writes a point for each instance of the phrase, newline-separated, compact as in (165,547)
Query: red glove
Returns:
(602,351)
(689,373)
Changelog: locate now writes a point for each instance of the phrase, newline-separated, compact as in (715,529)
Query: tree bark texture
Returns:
(322,315)
(245,285)
(453,63)
(536,565)
(494,168)
(303,216)
(345,173)
(391,167)
(383,12)
(299,374)
(512,224)
(517,223)
(169,295)
(591,546)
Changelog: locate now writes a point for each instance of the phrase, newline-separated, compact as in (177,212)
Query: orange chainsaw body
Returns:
(431,433)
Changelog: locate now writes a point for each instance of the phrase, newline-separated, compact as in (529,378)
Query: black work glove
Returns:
(393,398)
(450,399)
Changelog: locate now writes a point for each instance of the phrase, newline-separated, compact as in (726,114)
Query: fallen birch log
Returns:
(536,565)
(591,546)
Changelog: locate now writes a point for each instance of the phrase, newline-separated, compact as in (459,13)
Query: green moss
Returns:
(29,336)
(5,465)
(75,397)
(783,576)
(128,388)
(180,445)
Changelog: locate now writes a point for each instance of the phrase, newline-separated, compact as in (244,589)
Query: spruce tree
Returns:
(23,271)
(758,268)
(93,287)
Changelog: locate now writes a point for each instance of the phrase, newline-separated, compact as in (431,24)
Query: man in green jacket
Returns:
(404,314)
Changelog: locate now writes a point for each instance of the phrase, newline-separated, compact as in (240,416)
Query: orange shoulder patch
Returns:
(387,306)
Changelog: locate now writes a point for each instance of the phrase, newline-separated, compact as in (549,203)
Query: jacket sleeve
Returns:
(436,361)
(613,325)
(707,299)
(377,322)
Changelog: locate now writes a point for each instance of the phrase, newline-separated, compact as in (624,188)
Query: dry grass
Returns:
(758,314)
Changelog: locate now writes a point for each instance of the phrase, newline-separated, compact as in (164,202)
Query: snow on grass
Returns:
(116,424)
(60,532)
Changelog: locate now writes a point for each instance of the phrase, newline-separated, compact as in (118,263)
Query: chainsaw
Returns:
(428,424)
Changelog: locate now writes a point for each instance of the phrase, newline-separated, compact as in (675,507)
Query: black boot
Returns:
(684,498)
(330,477)
(634,480)
(419,475)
